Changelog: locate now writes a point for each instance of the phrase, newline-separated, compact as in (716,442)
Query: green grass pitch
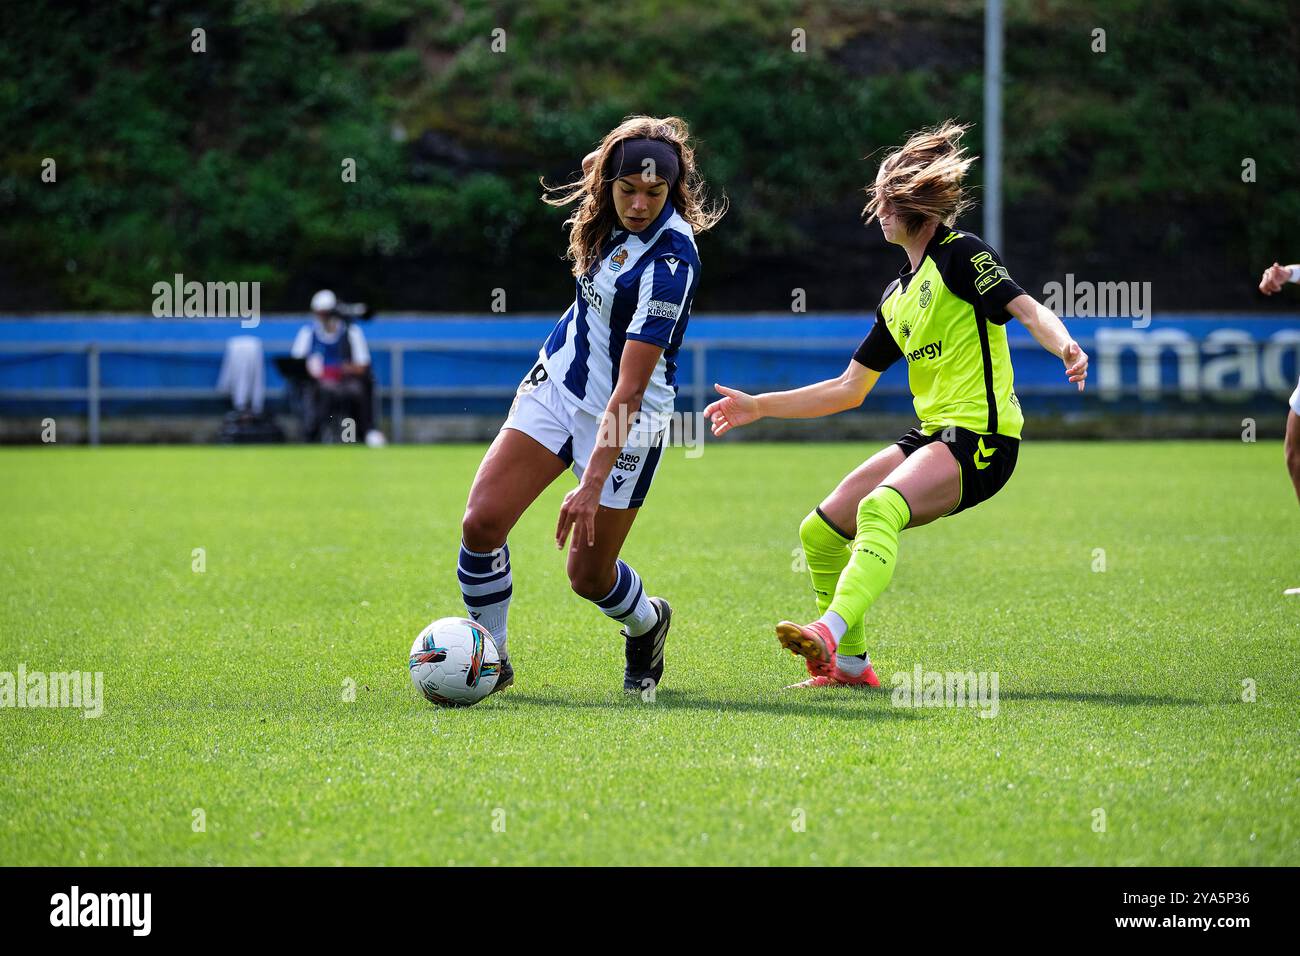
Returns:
(1121,690)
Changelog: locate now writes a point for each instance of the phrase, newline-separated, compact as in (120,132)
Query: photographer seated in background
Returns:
(338,361)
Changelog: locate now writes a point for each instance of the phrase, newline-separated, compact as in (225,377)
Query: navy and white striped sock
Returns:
(627,602)
(486,587)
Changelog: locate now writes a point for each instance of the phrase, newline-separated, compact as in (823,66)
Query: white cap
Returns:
(323,301)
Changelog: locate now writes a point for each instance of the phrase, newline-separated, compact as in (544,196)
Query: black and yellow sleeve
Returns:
(878,350)
(975,273)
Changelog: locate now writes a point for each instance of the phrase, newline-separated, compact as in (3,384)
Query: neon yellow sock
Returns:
(881,516)
(827,552)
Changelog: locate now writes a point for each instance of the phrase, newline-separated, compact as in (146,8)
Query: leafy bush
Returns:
(227,164)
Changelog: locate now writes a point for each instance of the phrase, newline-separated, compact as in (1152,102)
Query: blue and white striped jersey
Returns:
(641,289)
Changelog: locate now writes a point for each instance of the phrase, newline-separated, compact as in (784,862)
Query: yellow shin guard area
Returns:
(882,515)
(826,552)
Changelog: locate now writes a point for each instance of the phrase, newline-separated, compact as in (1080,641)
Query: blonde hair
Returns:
(922,179)
(594,217)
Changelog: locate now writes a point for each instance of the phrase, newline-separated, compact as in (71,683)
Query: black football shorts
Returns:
(986,461)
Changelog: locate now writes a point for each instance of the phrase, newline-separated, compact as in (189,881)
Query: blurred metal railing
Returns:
(398,391)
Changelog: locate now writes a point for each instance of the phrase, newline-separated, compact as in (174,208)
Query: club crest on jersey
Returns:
(925,293)
(906,329)
(617,259)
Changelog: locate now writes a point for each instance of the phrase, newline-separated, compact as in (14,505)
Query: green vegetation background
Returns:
(1122,165)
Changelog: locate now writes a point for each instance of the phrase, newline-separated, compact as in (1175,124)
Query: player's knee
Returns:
(884,505)
(808,530)
(481,530)
(1293,458)
(813,534)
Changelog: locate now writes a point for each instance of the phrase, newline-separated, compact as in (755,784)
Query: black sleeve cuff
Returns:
(1005,292)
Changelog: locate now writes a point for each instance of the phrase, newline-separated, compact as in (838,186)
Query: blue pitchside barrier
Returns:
(471,364)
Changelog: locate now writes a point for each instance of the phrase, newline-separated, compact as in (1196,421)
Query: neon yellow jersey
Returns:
(948,319)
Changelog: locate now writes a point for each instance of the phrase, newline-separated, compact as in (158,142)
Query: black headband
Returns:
(631,154)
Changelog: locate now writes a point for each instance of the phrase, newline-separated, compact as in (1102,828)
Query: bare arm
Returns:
(634,371)
(579,509)
(847,390)
(1050,332)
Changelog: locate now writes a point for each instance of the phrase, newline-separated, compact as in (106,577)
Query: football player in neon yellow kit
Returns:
(946,315)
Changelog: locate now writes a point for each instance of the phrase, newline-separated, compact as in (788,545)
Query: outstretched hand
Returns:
(734,409)
(1274,277)
(1076,364)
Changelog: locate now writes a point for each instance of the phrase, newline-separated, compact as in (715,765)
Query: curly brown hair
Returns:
(922,179)
(594,217)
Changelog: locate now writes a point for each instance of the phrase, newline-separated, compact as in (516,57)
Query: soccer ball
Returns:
(454,662)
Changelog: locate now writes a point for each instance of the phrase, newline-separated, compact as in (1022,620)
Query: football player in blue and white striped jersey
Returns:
(599,398)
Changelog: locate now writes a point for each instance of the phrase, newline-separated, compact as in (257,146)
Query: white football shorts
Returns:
(1295,399)
(542,411)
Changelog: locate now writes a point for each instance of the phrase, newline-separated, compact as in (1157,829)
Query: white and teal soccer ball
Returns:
(454,662)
